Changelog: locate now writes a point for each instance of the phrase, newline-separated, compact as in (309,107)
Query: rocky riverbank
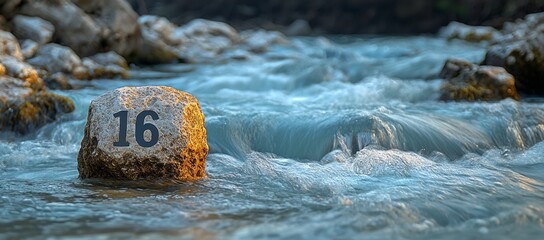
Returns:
(517,48)
(46,44)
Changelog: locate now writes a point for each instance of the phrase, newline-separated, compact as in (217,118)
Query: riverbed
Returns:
(326,137)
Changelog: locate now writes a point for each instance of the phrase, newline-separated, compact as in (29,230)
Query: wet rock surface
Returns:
(469,82)
(179,151)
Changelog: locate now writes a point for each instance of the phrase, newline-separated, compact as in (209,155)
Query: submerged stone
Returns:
(144,132)
(469,82)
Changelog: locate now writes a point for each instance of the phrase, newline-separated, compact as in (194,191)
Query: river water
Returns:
(324,138)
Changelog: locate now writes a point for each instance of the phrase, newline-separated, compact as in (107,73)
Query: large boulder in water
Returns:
(144,132)
(469,82)
(520,50)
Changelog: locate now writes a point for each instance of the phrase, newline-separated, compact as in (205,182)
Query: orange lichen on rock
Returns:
(196,150)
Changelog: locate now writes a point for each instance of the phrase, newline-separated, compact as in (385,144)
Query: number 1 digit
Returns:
(123,118)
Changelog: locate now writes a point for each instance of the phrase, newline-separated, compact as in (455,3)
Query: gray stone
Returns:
(457,30)
(97,70)
(9,45)
(180,152)
(21,70)
(110,58)
(29,48)
(258,41)
(75,28)
(56,58)
(33,28)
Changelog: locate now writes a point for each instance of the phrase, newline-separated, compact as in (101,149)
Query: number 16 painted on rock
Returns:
(141,127)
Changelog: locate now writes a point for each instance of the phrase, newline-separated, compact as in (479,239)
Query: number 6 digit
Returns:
(141,127)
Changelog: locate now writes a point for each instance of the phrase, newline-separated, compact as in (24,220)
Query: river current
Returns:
(339,137)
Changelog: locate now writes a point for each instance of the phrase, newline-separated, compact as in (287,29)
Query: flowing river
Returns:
(340,137)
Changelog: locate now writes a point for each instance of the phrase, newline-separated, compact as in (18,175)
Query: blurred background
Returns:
(343,16)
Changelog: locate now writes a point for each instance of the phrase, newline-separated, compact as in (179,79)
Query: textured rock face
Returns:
(179,152)
(520,50)
(33,28)
(23,108)
(468,82)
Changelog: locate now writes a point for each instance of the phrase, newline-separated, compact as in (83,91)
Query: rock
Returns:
(75,28)
(110,58)
(204,40)
(197,41)
(258,41)
(2,70)
(56,58)
(29,48)
(468,82)
(24,71)
(160,29)
(207,28)
(157,42)
(9,45)
(118,23)
(179,152)
(521,52)
(89,27)
(24,109)
(33,28)
(457,30)
(103,71)
(58,81)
